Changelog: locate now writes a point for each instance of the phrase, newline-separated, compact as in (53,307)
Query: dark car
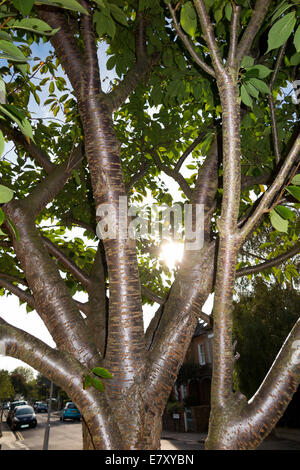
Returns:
(12,407)
(23,416)
(5,406)
(41,408)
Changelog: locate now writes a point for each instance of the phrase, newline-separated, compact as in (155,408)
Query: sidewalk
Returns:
(188,437)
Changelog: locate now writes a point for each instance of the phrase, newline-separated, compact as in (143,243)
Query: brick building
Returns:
(189,404)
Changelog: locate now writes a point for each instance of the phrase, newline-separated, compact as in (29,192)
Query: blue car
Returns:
(70,411)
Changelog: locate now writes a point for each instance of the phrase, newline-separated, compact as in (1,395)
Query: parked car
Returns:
(22,416)
(41,407)
(70,411)
(13,405)
(5,405)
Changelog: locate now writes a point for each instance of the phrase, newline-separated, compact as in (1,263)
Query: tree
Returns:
(195,88)
(6,387)
(23,381)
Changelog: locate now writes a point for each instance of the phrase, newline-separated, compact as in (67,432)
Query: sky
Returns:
(16,314)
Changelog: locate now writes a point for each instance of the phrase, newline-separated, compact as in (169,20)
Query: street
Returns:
(67,435)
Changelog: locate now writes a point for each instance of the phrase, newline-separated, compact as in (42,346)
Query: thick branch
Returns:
(234,33)
(52,298)
(169,334)
(98,304)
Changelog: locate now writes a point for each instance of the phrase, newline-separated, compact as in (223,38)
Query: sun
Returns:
(171,253)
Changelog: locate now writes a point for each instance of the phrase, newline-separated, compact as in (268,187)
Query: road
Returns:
(67,435)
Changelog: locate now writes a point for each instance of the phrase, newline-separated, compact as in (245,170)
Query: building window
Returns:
(201,354)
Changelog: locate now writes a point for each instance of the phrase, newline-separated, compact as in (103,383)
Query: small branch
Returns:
(188,44)
(257,18)
(180,180)
(208,32)
(272,104)
(138,72)
(30,147)
(23,296)
(269,263)
(11,278)
(139,175)
(81,275)
(234,33)
(189,150)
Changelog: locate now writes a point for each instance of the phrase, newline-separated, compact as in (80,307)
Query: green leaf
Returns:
(12,51)
(75,175)
(278,222)
(98,384)
(118,14)
(101,372)
(2,92)
(6,194)
(296,180)
(251,89)
(281,31)
(14,228)
(285,212)
(67,4)
(260,71)
(2,143)
(295,59)
(247,61)
(188,18)
(246,98)
(294,191)
(26,128)
(104,24)
(87,382)
(2,216)
(228,11)
(35,25)
(297,39)
(260,85)
(24,6)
